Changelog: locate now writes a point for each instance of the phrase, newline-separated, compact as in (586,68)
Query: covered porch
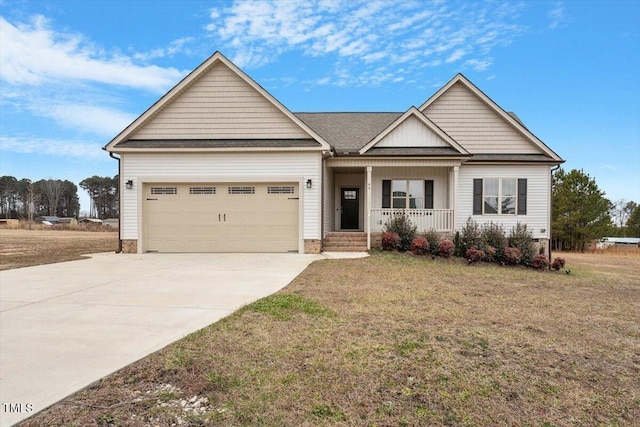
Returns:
(361,195)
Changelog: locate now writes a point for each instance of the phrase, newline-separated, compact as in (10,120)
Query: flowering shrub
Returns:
(446,248)
(474,254)
(540,261)
(390,241)
(512,256)
(558,263)
(420,246)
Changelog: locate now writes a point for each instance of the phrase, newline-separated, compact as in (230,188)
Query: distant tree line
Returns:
(581,214)
(26,199)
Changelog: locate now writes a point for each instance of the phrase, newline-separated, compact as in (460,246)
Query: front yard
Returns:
(398,340)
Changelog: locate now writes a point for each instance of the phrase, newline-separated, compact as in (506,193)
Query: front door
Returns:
(349,208)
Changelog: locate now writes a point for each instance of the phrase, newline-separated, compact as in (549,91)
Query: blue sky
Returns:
(75,73)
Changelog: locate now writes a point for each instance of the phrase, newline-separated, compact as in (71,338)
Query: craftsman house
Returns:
(219,165)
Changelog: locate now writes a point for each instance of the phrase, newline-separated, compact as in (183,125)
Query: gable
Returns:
(412,133)
(476,125)
(219,105)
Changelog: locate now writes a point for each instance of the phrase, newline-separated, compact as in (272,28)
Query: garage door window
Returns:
(202,190)
(164,190)
(280,190)
(242,190)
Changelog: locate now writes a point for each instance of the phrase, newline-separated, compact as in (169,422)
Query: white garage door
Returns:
(221,217)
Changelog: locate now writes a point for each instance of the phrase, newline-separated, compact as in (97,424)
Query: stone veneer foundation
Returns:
(129,246)
(312,246)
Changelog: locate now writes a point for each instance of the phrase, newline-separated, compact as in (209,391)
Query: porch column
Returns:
(368,207)
(456,169)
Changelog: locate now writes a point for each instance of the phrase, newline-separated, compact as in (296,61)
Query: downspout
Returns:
(552,170)
(119,250)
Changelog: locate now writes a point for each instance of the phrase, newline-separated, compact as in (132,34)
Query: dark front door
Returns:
(349,208)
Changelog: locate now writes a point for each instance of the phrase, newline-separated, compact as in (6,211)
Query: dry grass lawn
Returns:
(24,248)
(395,340)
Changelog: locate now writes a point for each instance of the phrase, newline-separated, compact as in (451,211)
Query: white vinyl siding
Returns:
(219,168)
(412,133)
(474,125)
(328,211)
(219,105)
(537,217)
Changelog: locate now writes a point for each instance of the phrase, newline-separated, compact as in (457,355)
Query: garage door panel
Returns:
(221,217)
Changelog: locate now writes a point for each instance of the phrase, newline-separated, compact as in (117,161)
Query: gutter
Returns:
(119,250)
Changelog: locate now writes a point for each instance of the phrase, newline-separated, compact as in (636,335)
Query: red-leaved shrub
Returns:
(420,246)
(540,261)
(558,263)
(390,241)
(446,248)
(474,254)
(512,256)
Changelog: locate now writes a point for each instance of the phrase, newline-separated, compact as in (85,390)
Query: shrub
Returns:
(469,236)
(492,236)
(558,263)
(512,256)
(520,237)
(434,241)
(457,251)
(390,241)
(540,261)
(405,229)
(446,248)
(420,246)
(474,254)
(490,254)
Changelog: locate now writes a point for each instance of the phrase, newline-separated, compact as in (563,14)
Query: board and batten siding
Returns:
(474,125)
(219,105)
(221,167)
(328,204)
(538,191)
(412,133)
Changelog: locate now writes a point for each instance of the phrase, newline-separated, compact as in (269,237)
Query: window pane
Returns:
(416,203)
(509,205)
(400,202)
(490,205)
(491,186)
(508,187)
(399,187)
(416,189)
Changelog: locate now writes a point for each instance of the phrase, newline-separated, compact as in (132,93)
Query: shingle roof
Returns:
(511,158)
(348,132)
(415,151)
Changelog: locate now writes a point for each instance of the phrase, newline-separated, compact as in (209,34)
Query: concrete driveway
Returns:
(64,326)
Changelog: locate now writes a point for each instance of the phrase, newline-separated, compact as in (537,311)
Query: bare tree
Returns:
(52,191)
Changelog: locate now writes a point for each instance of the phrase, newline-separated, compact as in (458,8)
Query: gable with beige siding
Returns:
(475,125)
(219,105)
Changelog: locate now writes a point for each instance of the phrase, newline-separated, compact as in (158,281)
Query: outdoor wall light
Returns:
(308,183)
(129,184)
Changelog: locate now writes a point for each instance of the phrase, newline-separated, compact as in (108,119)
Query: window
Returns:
(164,190)
(242,190)
(407,194)
(280,190)
(202,190)
(499,196)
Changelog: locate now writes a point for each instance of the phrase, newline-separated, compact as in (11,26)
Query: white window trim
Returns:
(500,196)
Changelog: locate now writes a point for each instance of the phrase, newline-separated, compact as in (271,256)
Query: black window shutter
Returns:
(477,196)
(428,194)
(522,196)
(386,193)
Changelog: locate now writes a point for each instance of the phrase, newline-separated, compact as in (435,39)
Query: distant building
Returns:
(111,222)
(607,242)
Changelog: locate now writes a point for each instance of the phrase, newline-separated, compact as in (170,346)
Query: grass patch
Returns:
(283,306)
(398,340)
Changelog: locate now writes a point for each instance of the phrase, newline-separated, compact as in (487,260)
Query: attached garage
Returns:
(221,217)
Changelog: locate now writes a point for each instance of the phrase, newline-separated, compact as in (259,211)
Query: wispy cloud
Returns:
(365,33)
(33,53)
(81,149)
(556,15)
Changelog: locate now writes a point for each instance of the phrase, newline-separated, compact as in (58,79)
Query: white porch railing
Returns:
(440,220)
